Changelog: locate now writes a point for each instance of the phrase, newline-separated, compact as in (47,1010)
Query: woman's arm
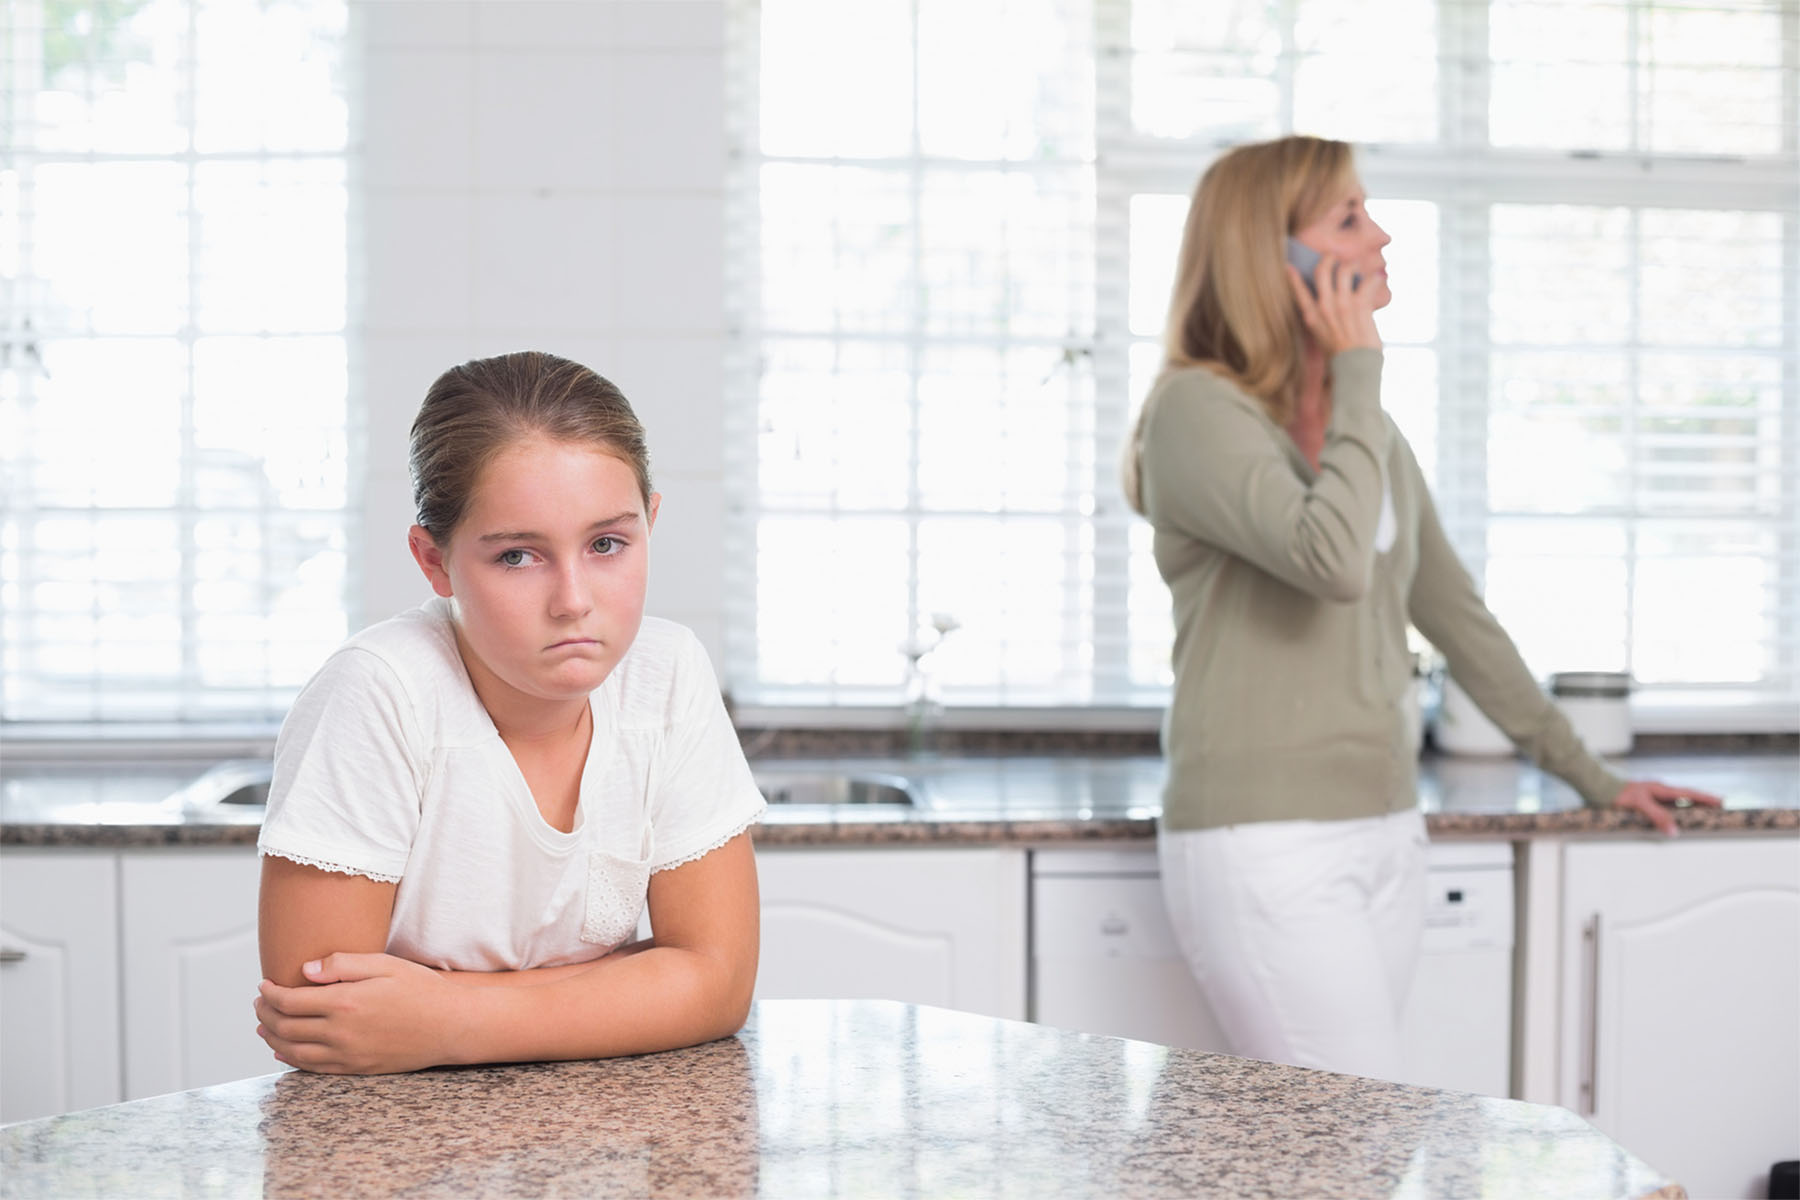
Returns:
(1448,609)
(304,914)
(1450,612)
(1214,469)
(691,984)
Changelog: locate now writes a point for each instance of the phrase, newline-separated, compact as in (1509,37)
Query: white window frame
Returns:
(197,724)
(1460,174)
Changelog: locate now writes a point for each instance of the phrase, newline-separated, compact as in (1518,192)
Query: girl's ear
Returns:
(430,557)
(655,503)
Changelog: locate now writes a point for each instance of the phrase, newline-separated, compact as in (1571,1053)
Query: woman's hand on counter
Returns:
(1657,800)
(367,1014)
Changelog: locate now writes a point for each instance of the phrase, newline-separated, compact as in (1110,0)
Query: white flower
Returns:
(916,647)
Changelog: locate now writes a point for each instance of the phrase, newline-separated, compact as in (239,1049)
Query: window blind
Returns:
(917,404)
(953,227)
(173,423)
(953,236)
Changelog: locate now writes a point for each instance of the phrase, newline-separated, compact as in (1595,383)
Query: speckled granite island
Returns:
(832,1098)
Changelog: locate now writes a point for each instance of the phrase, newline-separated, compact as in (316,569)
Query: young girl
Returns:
(472,800)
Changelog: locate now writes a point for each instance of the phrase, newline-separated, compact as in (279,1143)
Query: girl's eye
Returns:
(511,558)
(606,545)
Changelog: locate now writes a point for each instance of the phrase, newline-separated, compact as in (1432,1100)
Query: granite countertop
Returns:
(1017,799)
(832,1097)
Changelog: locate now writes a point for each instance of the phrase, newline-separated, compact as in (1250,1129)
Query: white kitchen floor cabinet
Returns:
(59,982)
(192,967)
(926,926)
(1681,984)
(128,974)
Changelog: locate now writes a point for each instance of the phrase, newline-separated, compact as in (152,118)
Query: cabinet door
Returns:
(191,969)
(59,982)
(1104,958)
(943,927)
(1681,980)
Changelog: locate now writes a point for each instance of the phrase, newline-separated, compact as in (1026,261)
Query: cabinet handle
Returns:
(1590,1066)
(9,955)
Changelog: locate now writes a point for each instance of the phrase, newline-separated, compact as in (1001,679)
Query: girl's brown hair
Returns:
(478,409)
(1232,309)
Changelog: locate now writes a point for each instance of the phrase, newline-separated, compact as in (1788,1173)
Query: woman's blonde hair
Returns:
(1232,309)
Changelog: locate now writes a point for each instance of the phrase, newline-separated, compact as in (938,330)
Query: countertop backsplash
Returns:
(814,742)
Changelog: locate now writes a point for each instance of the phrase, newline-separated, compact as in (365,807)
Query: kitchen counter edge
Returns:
(978,829)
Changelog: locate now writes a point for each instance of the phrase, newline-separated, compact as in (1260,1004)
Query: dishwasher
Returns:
(1104,960)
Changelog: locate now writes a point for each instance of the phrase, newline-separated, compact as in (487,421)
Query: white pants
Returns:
(1303,935)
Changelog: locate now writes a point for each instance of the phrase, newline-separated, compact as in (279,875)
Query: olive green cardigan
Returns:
(1291,663)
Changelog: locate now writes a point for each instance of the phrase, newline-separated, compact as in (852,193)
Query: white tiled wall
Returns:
(544,174)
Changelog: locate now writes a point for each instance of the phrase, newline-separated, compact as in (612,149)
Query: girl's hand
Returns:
(1654,800)
(1340,317)
(374,1014)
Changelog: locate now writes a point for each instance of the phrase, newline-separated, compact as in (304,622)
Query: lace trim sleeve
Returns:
(706,850)
(334,868)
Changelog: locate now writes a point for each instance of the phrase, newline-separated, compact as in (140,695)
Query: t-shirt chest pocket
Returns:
(616,887)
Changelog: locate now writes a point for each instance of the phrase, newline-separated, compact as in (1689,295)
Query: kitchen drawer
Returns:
(1116,917)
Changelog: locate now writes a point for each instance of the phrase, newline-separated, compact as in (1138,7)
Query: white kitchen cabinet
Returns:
(927,926)
(1680,965)
(59,983)
(191,969)
(1103,952)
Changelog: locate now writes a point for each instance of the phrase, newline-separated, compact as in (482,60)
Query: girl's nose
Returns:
(572,596)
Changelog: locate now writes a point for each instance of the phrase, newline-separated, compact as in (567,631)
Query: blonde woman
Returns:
(1298,538)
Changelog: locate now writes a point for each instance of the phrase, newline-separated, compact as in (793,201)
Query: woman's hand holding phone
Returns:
(1336,311)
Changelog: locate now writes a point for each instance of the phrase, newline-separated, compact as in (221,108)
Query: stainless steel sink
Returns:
(236,786)
(240,788)
(860,788)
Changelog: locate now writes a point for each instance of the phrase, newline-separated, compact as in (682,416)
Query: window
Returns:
(953,232)
(173,423)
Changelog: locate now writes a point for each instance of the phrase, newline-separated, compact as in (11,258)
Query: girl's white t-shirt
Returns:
(388,766)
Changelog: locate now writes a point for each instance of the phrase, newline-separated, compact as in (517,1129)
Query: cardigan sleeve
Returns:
(1213,468)
(1446,607)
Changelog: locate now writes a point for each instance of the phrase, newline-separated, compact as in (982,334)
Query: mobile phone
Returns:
(1306,261)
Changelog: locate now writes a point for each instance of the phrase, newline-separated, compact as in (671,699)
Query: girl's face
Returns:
(547,570)
(1347,232)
